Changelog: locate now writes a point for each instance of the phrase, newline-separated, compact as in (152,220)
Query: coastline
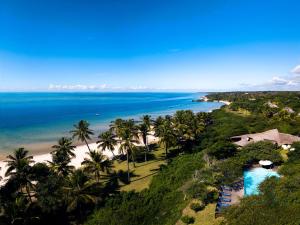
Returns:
(206,99)
(80,153)
(49,116)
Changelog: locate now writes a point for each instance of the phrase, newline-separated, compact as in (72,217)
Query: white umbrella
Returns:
(265,162)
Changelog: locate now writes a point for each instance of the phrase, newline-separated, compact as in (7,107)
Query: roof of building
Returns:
(271,135)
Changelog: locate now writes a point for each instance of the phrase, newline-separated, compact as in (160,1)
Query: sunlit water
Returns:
(36,119)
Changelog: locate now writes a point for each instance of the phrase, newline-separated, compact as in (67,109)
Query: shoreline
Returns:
(206,99)
(80,152)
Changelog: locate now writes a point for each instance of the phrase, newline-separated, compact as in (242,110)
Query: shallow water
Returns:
(36,120)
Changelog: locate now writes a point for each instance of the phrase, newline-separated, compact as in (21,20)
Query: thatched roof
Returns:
(288,109)
(271,135)
(271,105)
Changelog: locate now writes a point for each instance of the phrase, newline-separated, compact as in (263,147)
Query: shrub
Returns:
(197,206)
(197,190)
(212,196)
(222,150)
(188,219)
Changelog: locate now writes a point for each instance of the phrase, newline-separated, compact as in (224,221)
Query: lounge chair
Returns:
(225,199)
(223,204)
(226,188)
(225,194)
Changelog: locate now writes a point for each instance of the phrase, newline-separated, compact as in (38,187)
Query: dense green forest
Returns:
(198,155)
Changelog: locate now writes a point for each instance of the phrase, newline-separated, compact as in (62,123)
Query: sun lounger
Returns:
(223,204)
(225,194)
(226,188)
(225,199)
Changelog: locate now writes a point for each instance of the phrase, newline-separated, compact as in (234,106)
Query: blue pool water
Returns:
(36,120)
(254,177)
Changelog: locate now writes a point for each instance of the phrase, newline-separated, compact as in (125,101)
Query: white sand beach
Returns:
(80,153)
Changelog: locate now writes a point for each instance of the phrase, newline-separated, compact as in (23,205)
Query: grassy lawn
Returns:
(143,172)
(240,112)
(204,217)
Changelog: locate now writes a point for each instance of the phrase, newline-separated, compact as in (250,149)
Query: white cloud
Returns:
(76,87)
(81,87)
(279,81)
(288,83)
(296,70)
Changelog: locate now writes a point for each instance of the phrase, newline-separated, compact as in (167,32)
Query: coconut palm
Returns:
(19,168)
(116,126)
(80,191)
(108,141)
(65,147)
(187,127)
(159,121)
(61,157)
(144,130)
(166,134)
(82,132)
(60,167)
(96,163)
(128,135)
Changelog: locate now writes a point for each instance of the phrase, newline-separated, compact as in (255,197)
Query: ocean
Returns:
(37,120)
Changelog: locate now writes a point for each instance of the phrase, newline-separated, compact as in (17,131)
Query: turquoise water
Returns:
(29,119)
(254,177)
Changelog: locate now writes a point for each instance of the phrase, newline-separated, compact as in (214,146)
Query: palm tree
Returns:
(80,191)
(61,157)
(128,135)
(60,167)
(157,123)
(82,132)
(144,129)
(107,141)
(96,163)
(64,146)
(187,127)
(166,134)
(116,126)
(19,168)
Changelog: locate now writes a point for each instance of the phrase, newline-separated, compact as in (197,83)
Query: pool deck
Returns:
(236,196)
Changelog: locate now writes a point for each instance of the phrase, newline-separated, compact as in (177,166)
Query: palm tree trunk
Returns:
(132,157)
(133,161)
(166,149)
(128,171)
(97,177)
(87,145)
(28,193)
(146,149)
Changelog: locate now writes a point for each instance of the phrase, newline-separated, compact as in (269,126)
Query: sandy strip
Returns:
(80,153)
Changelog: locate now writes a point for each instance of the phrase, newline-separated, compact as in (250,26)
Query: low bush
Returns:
(197,206)
(188,219)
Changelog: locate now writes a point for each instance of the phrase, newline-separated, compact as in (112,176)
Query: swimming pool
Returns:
(254,177)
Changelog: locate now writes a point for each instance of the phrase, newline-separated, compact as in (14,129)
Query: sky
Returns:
(149,45)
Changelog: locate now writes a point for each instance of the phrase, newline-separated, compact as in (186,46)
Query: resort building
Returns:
(281,139)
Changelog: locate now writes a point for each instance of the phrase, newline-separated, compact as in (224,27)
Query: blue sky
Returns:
(138,45)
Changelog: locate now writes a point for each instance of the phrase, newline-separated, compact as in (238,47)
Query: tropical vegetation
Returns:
(198,157)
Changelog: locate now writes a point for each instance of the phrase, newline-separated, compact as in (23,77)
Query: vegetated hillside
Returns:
(223,164)
(272,109)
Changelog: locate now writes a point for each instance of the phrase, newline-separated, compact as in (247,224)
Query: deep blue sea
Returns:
(36,120)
